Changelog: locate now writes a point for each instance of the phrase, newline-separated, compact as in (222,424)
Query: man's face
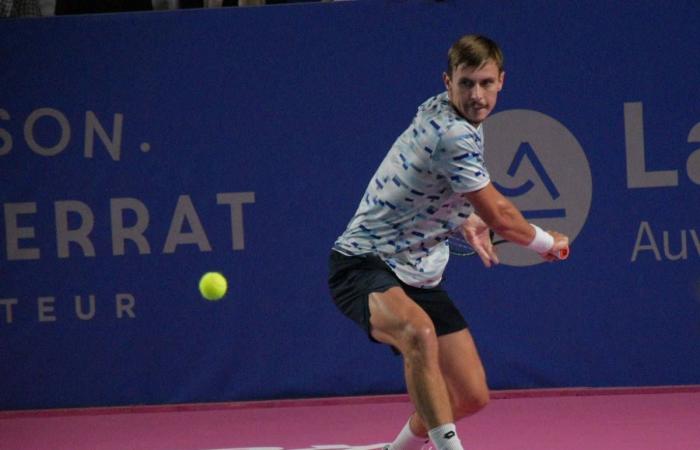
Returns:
(473,91)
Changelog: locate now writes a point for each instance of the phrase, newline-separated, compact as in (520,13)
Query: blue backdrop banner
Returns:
(139,151)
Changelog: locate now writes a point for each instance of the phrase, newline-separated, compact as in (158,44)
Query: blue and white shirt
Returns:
(414,200)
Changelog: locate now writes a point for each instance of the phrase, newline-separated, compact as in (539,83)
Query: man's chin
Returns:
(476,119)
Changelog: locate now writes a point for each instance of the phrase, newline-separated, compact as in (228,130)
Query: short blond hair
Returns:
(473,50)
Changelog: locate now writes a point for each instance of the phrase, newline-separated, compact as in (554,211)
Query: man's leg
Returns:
(464,376)
(398,321)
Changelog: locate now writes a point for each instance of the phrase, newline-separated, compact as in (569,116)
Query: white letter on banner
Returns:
(14,233)
(185,211)
(120,233)
(235,200)
(693,164)
(29,131)
(80,235)
(637,175)
(683,254)
(696,241)
(9,303)
(79,307)
(46,309)
(645,228)
(125,305)
(114,145)
(5,136)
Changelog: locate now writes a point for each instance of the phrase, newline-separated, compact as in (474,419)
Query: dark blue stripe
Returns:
(466,155)
(544,213)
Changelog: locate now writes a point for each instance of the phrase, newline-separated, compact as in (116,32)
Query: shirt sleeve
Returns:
(462,160)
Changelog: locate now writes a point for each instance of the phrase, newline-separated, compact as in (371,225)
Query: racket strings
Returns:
(460,247)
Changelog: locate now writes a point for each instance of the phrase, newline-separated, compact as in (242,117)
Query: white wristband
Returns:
(543,241)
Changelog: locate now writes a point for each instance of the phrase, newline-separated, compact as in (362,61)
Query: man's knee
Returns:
(418,338)
(470,403)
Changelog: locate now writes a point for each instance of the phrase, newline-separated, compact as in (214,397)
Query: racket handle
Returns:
(563,253)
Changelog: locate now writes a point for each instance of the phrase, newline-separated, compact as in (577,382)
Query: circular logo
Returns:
(539,165)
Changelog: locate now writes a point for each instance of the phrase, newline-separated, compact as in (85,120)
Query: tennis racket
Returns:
(563,253)
(460,247)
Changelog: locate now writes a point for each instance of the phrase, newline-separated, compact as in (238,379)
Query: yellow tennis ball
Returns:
(213,285)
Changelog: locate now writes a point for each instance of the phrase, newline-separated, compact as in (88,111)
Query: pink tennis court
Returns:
(600,419)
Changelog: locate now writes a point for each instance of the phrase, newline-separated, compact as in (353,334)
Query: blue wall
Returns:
(138,151)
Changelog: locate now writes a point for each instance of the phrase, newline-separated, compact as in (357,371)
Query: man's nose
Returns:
(477,92)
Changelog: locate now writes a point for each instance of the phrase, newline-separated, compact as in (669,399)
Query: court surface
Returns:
(576,419)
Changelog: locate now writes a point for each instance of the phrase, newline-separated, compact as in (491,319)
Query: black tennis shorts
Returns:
(353,278)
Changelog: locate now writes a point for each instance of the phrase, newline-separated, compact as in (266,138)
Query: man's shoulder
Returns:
(436,105)
(438,112)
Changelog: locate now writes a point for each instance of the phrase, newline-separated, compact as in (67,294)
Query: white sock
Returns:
(406,440)
(445,437)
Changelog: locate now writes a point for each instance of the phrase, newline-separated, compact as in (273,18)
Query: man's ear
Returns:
(446,80)
(501,79)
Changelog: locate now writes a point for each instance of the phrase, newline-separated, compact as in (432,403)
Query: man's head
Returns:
(474,76)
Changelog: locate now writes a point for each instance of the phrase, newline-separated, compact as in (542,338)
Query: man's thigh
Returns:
(391,312)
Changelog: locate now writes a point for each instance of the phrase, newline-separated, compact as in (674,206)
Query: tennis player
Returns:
(386,268)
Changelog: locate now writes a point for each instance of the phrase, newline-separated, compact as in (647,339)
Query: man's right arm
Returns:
(504,218)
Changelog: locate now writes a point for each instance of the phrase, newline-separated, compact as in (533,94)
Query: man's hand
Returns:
(561,242)
(476,233)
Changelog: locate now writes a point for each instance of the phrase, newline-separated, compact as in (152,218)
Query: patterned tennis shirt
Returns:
(414,200)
